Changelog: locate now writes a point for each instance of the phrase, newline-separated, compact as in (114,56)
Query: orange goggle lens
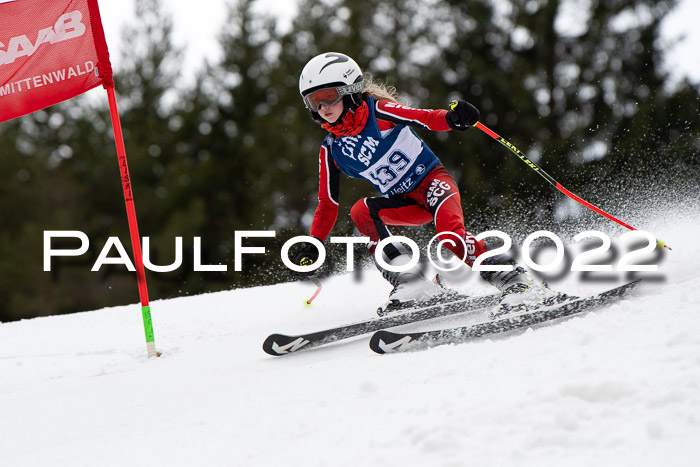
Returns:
(328,96)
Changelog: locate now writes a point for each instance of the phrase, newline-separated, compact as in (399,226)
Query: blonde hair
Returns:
(379,90)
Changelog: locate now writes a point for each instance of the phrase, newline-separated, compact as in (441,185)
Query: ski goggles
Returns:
(330,96)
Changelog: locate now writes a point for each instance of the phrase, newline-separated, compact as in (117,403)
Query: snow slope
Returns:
(616,387)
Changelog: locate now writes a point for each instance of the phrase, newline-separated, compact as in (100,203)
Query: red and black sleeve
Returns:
(422,118)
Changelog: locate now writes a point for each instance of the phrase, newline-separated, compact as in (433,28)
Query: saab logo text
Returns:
(68,26)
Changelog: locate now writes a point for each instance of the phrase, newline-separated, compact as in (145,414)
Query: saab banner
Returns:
(50,51)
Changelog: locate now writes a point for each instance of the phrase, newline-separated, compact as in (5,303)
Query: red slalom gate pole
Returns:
(133,225)
(554,183)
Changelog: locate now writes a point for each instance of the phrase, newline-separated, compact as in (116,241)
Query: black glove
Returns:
(461,115)
(307,255)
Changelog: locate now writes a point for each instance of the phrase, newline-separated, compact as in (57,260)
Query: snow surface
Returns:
(616,387)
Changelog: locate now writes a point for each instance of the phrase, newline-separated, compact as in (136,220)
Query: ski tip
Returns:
(275,345)
(383,342)
(268,343)
(279,344)
(374,342)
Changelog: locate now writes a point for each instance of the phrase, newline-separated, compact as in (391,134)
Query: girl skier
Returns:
(370,138)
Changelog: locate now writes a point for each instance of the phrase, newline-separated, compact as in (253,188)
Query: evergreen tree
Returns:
(581,92)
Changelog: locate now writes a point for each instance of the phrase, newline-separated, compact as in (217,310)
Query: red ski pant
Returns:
(435,199)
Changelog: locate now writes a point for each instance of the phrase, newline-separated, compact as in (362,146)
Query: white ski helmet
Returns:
(335,72)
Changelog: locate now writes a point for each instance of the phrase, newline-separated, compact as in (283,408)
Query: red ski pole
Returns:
(554,183)
(318,285)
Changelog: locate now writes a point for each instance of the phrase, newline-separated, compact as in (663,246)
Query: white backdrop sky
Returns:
(197,25)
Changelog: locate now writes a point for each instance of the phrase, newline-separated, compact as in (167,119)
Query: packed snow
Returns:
(618,386)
